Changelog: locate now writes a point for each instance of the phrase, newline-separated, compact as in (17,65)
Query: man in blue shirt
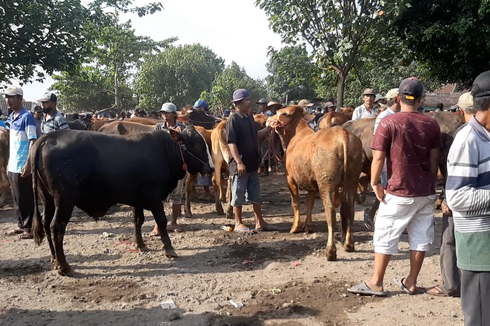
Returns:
(22,129)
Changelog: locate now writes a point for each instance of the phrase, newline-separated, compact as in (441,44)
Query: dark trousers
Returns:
(475,298)
(23,198)
(451,281)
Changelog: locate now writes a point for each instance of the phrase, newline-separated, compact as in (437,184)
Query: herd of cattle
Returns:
(93,171)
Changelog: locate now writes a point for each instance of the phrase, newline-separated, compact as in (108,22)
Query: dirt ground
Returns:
(280,278)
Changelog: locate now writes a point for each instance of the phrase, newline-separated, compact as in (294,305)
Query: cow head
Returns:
(195,150)
(287,120)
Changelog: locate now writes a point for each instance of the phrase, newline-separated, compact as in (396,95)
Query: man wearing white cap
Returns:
(367,110)
(53,120)
(22,136)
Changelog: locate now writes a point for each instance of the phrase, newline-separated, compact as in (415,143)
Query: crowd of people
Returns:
(405,149)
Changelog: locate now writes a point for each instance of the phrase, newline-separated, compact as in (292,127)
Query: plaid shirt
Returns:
(55,122)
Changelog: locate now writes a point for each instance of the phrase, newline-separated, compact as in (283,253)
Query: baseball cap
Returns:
(411,88)
(465,100)
(379,97)
(168,107)
(48,97)
(240,94)
(13,90)
(368,91)
(392,93)
(226,113)
(201,104)
(329,105)
(262,101)
(305,104)
(271,103)
(481,85)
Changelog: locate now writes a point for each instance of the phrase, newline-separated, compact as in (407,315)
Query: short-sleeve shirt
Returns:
(407,138)
(54,123)
(241,130)
(22,130)
(362,112)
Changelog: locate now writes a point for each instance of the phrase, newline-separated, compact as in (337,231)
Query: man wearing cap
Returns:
(201,105)
(379,101)
(22,129)
(53,120)
(451,280)
(262,103)
(367,110)
(330,107)
(393,107)
(243,138)
(468,197)
(305,104)
(169,115)
(410,142)
(272,108)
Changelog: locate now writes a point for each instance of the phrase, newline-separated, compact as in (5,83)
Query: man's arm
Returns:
(434,162)
(376,169)
(231,139)
(263,134)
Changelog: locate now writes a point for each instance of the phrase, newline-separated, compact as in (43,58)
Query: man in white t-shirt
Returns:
(367,110)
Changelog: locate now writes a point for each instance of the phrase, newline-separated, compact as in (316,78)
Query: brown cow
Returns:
(332,119)
(144,121)
(326,162)
(124,128)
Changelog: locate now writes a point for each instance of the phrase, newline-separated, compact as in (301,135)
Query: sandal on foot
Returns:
(14,232)
(437,291)
(242,230)
(402,286)
(26,235)
(154,234)
(363,289)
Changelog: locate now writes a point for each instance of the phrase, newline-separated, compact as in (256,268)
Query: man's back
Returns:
(408,138)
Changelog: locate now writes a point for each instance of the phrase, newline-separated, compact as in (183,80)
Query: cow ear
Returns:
(176,136)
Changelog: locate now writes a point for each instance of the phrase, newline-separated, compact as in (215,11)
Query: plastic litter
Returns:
(226,228)
(168,304)
(237,305)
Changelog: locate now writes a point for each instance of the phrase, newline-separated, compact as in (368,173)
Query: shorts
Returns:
(176,197)
(248,186)
(204,181)
(397,213)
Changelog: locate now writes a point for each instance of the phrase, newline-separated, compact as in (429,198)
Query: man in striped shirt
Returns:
(22,134)
(468,196)
(53,120)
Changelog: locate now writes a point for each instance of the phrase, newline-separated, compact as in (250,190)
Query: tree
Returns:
(291,74)
(53,34)
(119,50)
(226,82)
(89,89)
(341,33)
(449,36)
(178,74)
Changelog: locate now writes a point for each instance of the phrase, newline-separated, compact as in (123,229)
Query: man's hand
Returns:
(241,169)
(380,192)
(26,170)
(445,209)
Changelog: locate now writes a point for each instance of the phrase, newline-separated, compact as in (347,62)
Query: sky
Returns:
(235,30)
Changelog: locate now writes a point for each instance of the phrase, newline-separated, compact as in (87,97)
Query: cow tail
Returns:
(345,140)
(37,223)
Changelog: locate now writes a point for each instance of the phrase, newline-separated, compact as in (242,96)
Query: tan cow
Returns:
(144,121)
(331,119)
(327,162)
(124,128)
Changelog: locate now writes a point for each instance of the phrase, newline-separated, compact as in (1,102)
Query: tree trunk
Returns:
(116,87)
(341,89)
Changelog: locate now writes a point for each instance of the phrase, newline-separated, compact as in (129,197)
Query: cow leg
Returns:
(161,220)
(363,185)
(310,202)
(218,190)
(189,187)
(62,215)
(347,219)
(295,203)
(229,208)
(327,194)
(138,220)
(48,214)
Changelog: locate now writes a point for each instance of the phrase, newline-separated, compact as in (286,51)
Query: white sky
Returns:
(235,30)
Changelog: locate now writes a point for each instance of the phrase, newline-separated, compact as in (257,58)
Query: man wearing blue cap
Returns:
(204,181)
(243,139)
(201,105)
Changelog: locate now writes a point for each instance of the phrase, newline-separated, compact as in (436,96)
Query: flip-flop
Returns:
(14,232)
(154,234)
(363,289)
(242,230)
(267,228)
(26,235)
(399,282)
(436,291)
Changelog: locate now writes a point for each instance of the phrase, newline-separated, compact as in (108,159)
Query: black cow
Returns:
(94,171)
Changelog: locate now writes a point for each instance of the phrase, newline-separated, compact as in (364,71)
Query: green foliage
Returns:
(226,82)
(449,36)
(291,74)
(342,34)
(178,75)
(53,34)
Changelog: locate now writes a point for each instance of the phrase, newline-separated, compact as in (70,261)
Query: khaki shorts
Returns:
(177,196)
(416,214)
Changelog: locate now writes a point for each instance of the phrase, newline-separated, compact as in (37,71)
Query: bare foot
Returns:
(174,227)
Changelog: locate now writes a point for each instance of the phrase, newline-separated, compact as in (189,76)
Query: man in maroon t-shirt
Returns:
(410,142)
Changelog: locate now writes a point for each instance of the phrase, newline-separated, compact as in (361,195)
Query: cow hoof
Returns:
(349,247)
(220,212)
(144,248)
(230,216)
(296,229)
(67,272)
(170,253)
(188,215)
(331,255)
(309,228)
